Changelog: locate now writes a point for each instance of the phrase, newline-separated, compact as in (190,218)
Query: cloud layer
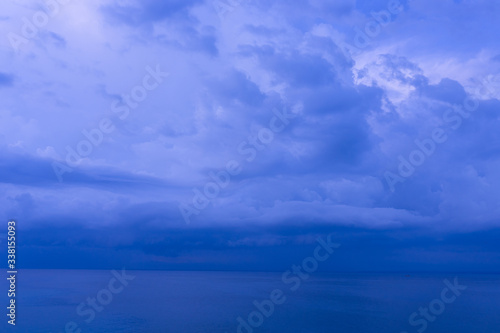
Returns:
(394,135)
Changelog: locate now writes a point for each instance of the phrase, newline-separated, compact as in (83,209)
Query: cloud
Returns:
(147,12)
(295,69)
(407,250)
(446,90)
(236,87)
(6,80)
(355,114)
(57,39)
(169,23)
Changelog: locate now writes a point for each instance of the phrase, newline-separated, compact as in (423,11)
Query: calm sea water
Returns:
(161,301)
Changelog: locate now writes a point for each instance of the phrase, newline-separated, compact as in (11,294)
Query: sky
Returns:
(231,135)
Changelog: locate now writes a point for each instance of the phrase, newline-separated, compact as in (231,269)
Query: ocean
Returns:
(164,301)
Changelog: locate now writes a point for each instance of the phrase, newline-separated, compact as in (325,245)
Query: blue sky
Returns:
(372,120)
